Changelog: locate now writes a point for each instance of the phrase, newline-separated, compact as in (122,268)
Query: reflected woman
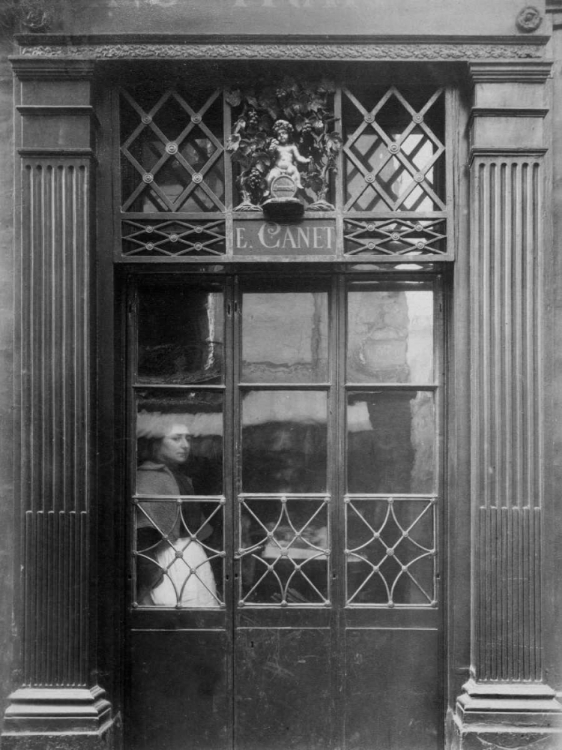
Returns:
(172,565)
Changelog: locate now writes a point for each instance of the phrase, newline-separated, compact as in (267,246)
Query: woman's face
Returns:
(174,446)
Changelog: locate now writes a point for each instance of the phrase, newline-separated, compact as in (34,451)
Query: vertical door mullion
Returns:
(131,326)
(439,360)
(229,489)
(337,488)
(235,440)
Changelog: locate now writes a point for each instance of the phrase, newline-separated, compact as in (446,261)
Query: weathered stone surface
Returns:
(404,17)
(6,370)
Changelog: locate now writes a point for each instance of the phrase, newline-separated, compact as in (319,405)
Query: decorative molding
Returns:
(54,110)
(52,69)
(57,153)
(502,715)
(44,710)
(510,72)
(495,151)
(509,112)
(281,51)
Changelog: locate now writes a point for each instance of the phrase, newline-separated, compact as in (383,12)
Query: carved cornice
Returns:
(281,51)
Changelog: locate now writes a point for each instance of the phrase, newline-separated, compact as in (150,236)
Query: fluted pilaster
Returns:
(506,360)
(56,697)
(506,693)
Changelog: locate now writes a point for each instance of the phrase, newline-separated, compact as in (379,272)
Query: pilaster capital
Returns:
(52,69)
(516,71)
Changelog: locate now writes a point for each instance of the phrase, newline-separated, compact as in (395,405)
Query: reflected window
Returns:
(181,336)
(284,441)
(179,524)
(390,334)
(285,337)
(391,442)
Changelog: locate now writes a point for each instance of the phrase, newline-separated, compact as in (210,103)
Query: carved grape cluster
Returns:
(254,179)
(253,118)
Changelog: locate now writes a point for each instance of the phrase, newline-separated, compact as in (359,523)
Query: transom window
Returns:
(195,158)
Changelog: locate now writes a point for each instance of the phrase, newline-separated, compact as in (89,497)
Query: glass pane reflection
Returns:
(181,336)
(391,442)
(284,550)
(285,337)
(284,438)
(179,541)
(390,334)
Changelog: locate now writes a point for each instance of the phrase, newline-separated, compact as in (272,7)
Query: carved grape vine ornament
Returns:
(305,109)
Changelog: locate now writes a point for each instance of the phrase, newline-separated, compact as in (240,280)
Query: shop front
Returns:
(282,330)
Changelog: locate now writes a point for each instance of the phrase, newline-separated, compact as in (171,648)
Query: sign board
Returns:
(294,18)
(309,237)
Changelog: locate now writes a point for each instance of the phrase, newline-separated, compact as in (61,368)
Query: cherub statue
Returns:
(285,154)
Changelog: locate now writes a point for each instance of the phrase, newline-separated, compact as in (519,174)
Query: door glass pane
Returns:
(179,525)
(390,334)
(284,551)
(390,550)
(391,442)
(180,335)
(285,337)
(284,440)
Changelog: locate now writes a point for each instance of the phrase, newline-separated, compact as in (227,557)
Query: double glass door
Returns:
(285,513)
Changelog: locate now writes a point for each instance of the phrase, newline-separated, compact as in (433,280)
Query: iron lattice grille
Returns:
(284,550)
(173,238)
(182,564)
(394,236)
(177,160)
(391,551)
(178,185)
(391,156)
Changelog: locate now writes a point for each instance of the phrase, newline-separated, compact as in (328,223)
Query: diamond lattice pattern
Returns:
(392,155)
(172,154)
(395,237)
